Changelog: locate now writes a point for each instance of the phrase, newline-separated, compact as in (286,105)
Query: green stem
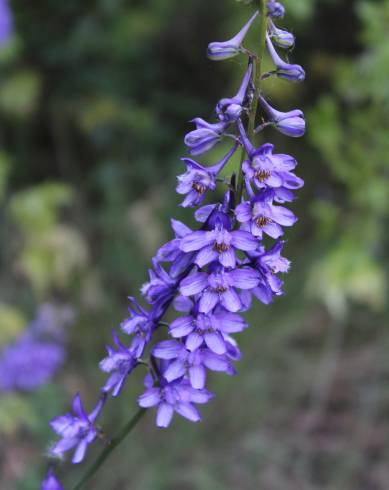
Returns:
(257,73)
(108,450)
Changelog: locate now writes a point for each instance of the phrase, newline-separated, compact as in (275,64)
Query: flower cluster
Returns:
(209,276)
(38,354)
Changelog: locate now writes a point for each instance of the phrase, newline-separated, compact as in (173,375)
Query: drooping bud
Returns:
(291,123)
(294,73)
(282,38)
(231,109)
(204,137)
(218,51)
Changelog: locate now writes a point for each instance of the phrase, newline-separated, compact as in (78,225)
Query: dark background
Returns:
(95,99)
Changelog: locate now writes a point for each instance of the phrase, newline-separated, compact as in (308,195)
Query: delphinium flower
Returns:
(77,430)
(51,482)
(207,277)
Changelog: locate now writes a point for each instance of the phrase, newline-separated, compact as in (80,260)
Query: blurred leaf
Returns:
(12,322)
(54,258)
(15,411)
(19,93)
(346,273)
(36,209)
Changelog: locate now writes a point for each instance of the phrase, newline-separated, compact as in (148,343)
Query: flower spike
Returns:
(209,276)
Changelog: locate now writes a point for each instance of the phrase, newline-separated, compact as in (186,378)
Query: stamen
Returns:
(199,188)
(221,247)
(262,175)
(262,221)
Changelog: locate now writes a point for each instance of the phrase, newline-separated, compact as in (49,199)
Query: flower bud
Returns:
(204,137)
(290,123)
(282,38)
(230,109)
(218,51)
(294,73)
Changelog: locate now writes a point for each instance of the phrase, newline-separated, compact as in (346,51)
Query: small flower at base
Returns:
(51,482)
(76,430)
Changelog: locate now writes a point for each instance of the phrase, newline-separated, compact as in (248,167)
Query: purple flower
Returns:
(218,244)
(171,252)
(219,287)
(205,136)
(141,325)
(231,109)
(29,363)
(261,216)
(275,9)
(266,169)
(77,431)
(119,364)
(178,397)
(268,265)
(198,179)
(159,290)
(218,51)
(293,73)
(51,482)
(190,363)
(290,123)
(6,22)
(209,330)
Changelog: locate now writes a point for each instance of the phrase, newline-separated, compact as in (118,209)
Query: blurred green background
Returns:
(95,98)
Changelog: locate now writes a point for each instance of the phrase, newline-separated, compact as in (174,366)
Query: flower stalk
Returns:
(114,443)
(257,77)
(209,275)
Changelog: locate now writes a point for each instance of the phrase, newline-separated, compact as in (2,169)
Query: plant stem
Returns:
(257,74)
(108,450)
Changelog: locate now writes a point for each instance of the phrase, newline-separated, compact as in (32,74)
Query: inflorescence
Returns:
(209,276)
(35,357)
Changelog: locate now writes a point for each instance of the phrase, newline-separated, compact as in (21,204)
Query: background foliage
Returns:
(94,102)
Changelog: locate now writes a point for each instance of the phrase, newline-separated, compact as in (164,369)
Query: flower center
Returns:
(262,221)
(262,175)
(220,289)
(199,188)
(221,247)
